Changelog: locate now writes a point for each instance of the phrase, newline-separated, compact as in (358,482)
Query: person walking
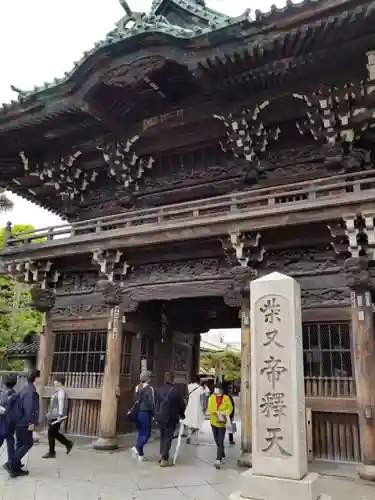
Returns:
(144,410)
(205,397)
(8,400)
(219,408)
(27,417)
(169,410)
(57,413)
(231,417)
(194,414)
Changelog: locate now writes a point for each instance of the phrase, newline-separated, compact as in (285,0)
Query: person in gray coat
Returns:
(57,413)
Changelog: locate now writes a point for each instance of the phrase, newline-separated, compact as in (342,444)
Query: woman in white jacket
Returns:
(194,414)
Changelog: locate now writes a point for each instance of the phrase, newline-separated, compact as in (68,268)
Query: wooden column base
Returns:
(105,444)
(245,460)
(366,472)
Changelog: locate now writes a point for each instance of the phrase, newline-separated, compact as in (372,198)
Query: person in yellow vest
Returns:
(219,408)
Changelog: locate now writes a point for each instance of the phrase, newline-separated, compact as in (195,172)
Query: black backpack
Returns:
(162,408)
(8,416)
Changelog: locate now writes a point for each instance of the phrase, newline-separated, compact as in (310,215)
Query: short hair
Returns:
(169,377)
(10,380)
(145,376)
(196,378)
(60,378)
(33,375)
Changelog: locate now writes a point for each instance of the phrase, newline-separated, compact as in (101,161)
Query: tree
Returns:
(5,203)
(17,317)
(225,363)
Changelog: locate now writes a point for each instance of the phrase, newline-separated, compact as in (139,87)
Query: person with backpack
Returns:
(27,417)
(169,410)
(231,417)
(142,413)
(194,414)
(219,408)
(8,402)
(57,413)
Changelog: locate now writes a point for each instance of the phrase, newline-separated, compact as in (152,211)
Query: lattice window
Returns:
(148,352)
(80,352)
(327,350)
(126,356)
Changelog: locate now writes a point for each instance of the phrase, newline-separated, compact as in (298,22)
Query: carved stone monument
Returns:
(278,399)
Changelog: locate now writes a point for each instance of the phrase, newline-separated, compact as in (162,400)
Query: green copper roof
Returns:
(196,19)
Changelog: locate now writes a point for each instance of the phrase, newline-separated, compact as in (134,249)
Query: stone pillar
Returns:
(362,316)
(245,394)
(111,389)
(279,452)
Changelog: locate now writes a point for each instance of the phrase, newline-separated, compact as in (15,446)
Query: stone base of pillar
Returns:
(273,488)
(245,460)
(105,444)
(366,472)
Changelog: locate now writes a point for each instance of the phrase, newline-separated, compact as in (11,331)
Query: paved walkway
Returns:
(90,475)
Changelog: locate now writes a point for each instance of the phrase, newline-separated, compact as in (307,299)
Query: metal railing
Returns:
(257,200)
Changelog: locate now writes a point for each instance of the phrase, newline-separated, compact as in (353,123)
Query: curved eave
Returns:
(23,193)
(93,60)
(303,41)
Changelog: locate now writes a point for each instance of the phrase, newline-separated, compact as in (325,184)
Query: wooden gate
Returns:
(332,415)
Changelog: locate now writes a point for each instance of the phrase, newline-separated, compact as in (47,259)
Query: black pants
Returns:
(11,448)
(219,436)
(166,435)
(53,434)
(24,443)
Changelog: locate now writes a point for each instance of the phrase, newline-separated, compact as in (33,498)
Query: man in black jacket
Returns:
(26,419)
(169,410)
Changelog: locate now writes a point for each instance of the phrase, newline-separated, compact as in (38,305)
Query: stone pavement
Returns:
(90,475)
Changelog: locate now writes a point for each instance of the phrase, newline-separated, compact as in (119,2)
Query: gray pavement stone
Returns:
(87,475)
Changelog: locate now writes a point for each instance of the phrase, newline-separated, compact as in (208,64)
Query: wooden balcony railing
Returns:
(254,202)
(330,387)
(79,380)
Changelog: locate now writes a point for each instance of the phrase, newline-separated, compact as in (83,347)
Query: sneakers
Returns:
(164,463)
(69,447)
(13,473)
(49,455)
(217,464)
(135,452)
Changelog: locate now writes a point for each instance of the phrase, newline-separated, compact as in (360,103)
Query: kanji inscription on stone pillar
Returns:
(278,396)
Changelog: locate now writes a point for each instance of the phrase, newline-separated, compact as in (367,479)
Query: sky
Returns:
(41,39)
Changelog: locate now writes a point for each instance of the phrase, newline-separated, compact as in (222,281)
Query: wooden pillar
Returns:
(245,396)
(195,357)
(110,392)
(45,360)
(358,279)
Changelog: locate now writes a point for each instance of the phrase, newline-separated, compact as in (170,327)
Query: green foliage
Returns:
(17,318)
(18,228)
(226,362)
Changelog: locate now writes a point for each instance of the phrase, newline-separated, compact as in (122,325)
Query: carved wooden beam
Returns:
(110,263)
(124,164)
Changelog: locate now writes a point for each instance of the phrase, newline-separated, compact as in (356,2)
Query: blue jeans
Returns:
(10,445)
(24,444)
(143,424)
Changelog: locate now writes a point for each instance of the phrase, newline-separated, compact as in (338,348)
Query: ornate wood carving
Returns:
(124,165)
(357,274)
(80,311)
(76,284)
(325,297)
(300,261)
(43,299)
